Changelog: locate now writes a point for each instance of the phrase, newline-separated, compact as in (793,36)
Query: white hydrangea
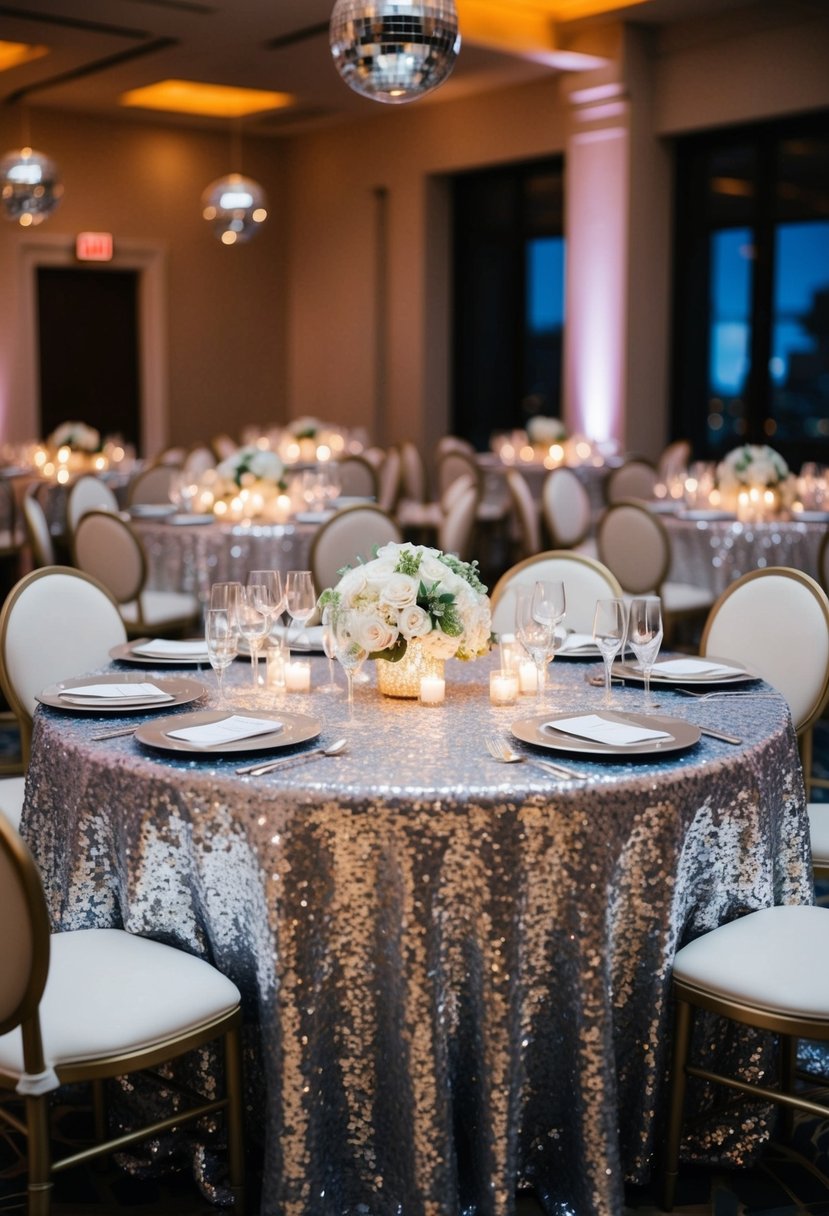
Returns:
(544,430)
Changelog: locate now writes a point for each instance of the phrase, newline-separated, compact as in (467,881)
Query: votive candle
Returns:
(527,676)
(298,676)
(503,687)
(432,690)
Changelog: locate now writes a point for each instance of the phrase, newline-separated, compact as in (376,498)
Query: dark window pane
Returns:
(799,366)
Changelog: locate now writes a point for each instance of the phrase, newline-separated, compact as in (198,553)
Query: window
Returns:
(751,343)
(509,297)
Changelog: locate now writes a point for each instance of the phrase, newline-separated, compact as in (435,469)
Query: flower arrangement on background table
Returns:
(248,484)
(754,480)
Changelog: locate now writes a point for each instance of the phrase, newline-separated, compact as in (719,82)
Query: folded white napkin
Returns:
(116,692)
(226,730)
(309,639)
(600,730)
(695,667)
(577,641)
(167,648)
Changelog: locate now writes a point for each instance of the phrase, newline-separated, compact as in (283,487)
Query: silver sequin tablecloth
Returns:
(712,553)
(459,969)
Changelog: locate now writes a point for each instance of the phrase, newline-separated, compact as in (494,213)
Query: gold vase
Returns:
(402,679)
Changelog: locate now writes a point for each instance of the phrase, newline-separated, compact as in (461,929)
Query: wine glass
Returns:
(331,687)
(270,598)
(609,635)
(221,633)
(253,625)
(227,596)
(300,598)
(550,607)
(645,636)
(348,645)
(536,633)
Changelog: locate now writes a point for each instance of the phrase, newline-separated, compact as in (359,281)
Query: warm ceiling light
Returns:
(12,54)
(215,100)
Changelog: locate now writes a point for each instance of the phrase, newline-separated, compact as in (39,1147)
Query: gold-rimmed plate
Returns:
(289,730)
(540,732)
(175,690)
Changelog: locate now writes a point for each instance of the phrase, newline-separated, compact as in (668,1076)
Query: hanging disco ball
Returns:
(236,206)
(30,188)
(394,50)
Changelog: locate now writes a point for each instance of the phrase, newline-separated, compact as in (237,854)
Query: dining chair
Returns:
(152,485)
(88,493)
(762,970)
(457,528)
(673,460)
(55,623)
(776,622)
(199,459)
(823,562)
(349,535)
(11,532)
(85,1005)
(566,508)
(453,443)
(413,487)
(636,546)
(38,533)
(585,581)
(525,513)
(358,477)
(421,521)
(107,547)
(635,479)
(389,480)
(455,463)
(223,446)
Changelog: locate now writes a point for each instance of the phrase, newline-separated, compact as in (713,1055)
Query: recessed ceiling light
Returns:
(215,100)
(12,54)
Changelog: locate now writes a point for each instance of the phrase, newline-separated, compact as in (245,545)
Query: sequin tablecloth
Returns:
(459,968)
(190,558)
(712,553)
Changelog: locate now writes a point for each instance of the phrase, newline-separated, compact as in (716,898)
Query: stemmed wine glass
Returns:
(645,636)
(331,687)
(253,624)
(348,646)
(300,598)
(227,596)
(221,631)
(609,635)
(549,605)
(539,608)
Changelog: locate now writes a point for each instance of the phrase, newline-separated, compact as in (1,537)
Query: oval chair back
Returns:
(636,478)
(37,531)
(453,464)
(456,530)
(389,476)
(351,534)
(635,545)
(585,581)
(88,493)
(525,511)
(566,507)
(152,484)
(358,477)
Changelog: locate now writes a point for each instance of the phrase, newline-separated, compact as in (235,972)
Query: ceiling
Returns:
(97,50)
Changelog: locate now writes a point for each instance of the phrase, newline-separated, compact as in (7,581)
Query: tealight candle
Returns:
(527,676)
(276,667)
(298,676)
(503,687)
(432,690)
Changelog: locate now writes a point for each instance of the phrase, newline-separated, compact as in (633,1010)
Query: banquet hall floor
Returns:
(787,1180)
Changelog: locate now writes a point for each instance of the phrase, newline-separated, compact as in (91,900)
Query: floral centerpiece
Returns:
(755,481)
(76,436)
(543,431)
(304,428)
(415,607)
(247,482)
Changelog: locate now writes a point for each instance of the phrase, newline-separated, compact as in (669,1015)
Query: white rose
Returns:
(414,622)
(352,584)
(439,645)
(399,591)
(374,633)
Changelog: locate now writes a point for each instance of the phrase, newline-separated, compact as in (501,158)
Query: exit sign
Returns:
(93,246)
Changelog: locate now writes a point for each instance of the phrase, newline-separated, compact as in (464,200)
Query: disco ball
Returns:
(30,188)
(394,50)
(236,207)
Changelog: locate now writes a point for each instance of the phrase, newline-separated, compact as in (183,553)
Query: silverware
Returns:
(717,734)
(114,734)
(725,692)
(500,750)
(256,770)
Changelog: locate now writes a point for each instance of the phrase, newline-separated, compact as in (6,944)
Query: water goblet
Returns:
(645,636)
(253,626)
(227,596)
(270,597)
(300,598)
(536,636)
(550,607)
(348,646)
(222,636)
(331,687)
(609,635)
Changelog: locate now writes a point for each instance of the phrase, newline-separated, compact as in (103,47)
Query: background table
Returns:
(712,553)
(459,969)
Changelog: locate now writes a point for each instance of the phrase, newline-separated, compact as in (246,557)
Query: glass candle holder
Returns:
(527,676)
(298,676)
(503,687)
(432,690)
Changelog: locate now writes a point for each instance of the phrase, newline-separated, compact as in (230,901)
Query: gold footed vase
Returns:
(402,679)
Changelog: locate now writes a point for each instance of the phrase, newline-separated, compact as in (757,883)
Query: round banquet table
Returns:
(712,553)
(455,972)
(535,473)
(192,557)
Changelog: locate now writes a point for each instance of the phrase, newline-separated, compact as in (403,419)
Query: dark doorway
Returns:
(89,360)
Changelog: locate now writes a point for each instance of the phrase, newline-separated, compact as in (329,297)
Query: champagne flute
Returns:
(609,635)
(300,598)
(645,636)
(253,625)
(535,634)
(227,596)
(271,599)
(332,688)
(348,646)
(221,633)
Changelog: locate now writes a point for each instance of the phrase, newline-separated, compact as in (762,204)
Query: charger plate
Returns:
(293,729)
(124,652)
(632,673)
(182,690)
(683,734)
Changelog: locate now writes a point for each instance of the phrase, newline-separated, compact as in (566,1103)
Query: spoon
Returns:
(256,770)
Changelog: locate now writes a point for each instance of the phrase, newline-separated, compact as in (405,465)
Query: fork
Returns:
(500,750)
(706,696)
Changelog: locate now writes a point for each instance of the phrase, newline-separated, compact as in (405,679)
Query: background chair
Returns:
(585,581)
(80,1006)
(566,509)
(88,493)
(413,487)
(457,528)
(153,484)
(525,514)
(55,623)
(350,534)
(674,460)
(636,479)
(108,548)
(636,546)
(38,533)
(358,477)
(198,460)
(389,480)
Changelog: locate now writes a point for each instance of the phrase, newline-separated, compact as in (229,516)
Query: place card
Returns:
(604,730)
(226,730)
(117,693)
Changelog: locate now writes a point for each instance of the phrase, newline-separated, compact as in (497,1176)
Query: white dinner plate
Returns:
(152,510)
(290,729)
(124,652)
(682,734)
(185,520)
(810,517)
(707,515)
(631,671)
(182,691)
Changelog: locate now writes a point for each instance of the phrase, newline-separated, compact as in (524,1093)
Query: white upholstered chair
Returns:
(349,535)
(38,534)
(456,531)
(636,546)
(566,508)
(88,493)
(673,460)
(525,513)
(152,485)
(389,480)
(198,460)
(761,970)
(55,623)
(108,548)
(585,581)
(81,1006)
(413,488)
(358,477)
(636,478)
